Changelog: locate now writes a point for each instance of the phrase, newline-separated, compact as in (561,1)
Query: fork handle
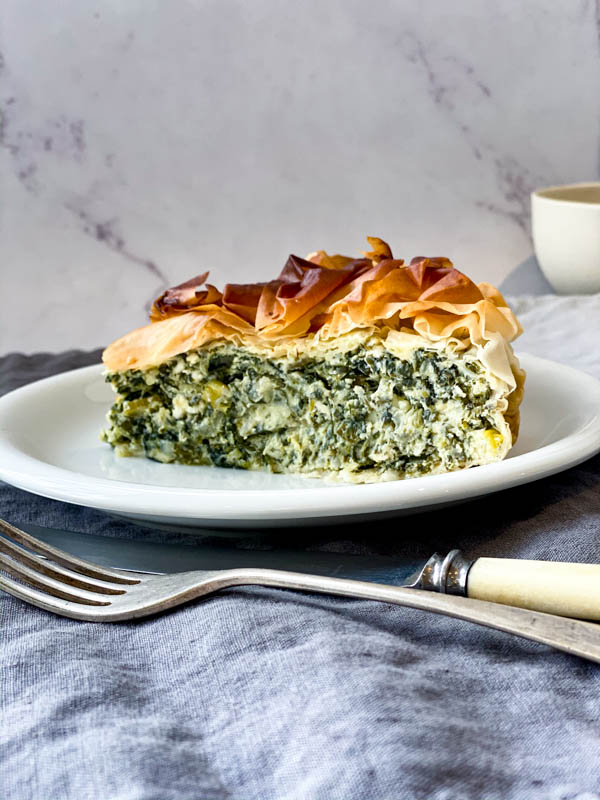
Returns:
(570,590)
(569,635)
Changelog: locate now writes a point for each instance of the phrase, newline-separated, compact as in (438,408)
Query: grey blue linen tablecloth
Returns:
(263,694)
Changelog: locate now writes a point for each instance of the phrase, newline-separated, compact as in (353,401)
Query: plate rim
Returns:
(286,504)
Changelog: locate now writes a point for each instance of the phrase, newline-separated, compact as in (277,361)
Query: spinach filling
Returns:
(357,411)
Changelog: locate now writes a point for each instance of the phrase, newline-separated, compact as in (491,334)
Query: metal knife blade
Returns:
(160,558)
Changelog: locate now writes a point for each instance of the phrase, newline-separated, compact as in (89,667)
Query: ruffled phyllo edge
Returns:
(322,297)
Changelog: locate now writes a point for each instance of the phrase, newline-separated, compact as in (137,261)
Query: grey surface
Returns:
(527,278)
(263,695)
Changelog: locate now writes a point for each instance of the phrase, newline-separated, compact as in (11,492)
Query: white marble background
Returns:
(144,141)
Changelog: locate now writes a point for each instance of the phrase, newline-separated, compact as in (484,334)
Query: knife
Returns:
(566,589)
(161,558)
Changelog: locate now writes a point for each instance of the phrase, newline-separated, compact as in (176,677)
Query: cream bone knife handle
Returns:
(555,587)
(569,590)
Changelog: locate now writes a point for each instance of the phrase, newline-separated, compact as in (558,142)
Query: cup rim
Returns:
(540,193)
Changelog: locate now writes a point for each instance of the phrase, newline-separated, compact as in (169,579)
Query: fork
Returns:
(56,581)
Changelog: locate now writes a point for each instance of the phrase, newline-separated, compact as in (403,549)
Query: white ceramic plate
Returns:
(49,445)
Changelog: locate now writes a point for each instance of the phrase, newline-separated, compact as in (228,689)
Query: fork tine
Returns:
(48,602)
(46,584)
(29,559)
(63,558)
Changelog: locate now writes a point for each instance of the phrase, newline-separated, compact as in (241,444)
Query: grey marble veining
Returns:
(142,143)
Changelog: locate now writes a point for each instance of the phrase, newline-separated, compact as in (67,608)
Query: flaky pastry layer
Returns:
(323,297)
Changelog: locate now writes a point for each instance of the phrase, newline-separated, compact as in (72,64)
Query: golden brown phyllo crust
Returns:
(327,296)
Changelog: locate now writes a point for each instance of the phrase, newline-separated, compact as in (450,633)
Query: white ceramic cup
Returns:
(565,221)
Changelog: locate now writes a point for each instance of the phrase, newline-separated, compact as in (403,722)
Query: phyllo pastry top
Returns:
(321,297)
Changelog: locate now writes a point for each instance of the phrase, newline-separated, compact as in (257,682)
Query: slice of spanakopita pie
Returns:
(357,369)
